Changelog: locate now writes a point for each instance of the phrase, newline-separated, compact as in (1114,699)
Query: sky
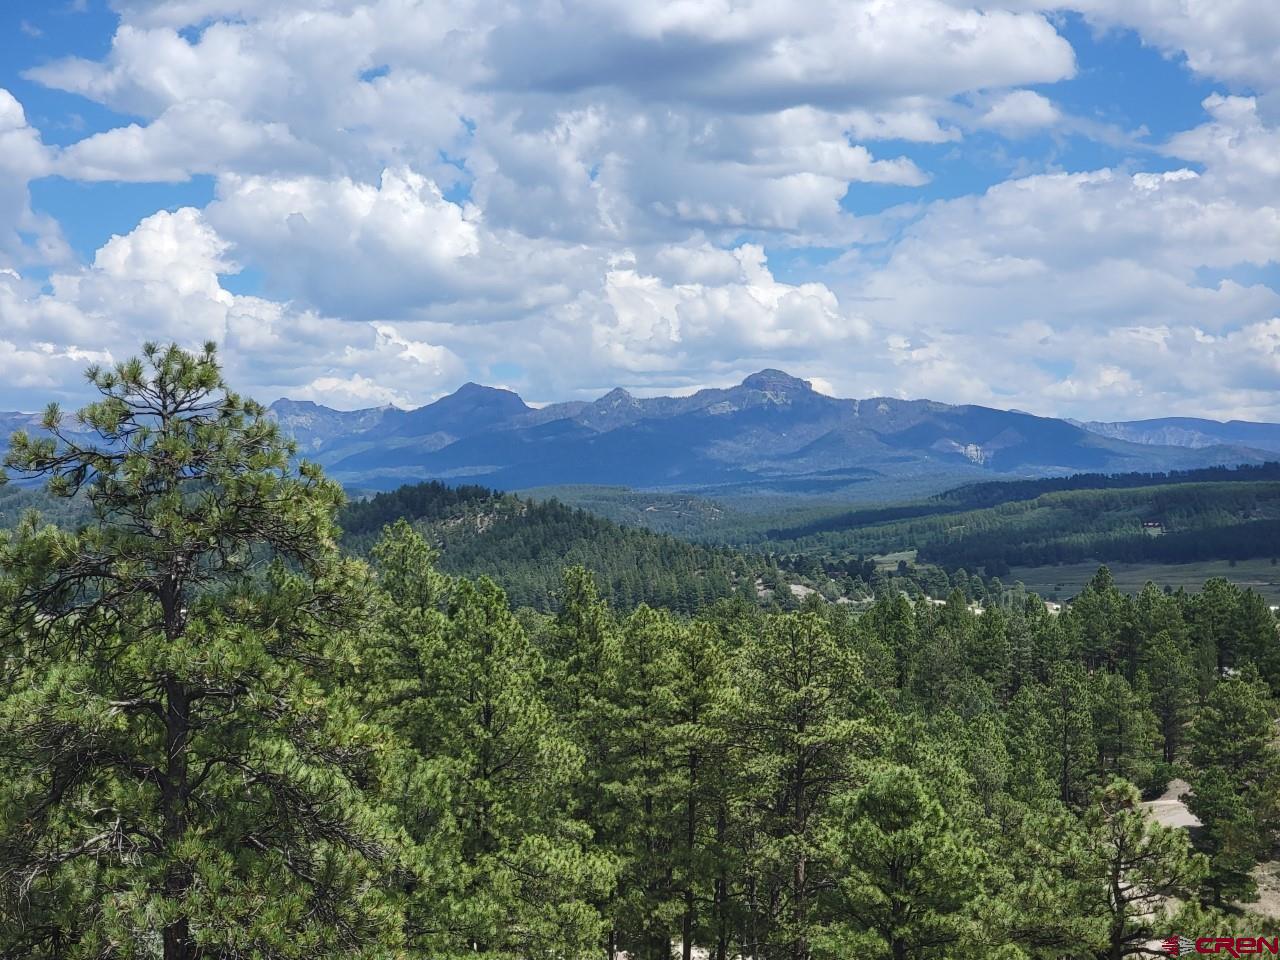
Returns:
(1072,210)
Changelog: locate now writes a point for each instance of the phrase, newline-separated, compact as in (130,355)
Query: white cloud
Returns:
(1081,294)
(372,252)
(831,53)
(24,234)
(1020,112)
(1240,151)
(587,189)
(637,138)
(1235,40)
(161,281)
(642,323)
(354,392)
(192,137)
(150,70)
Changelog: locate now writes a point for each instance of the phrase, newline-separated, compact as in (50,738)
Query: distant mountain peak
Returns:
(477,393)
(616,397)
(776,382)
(479,389)
(287,406)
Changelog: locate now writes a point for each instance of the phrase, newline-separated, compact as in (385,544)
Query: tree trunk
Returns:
(690,839)
(721,896)
(177,935)
(800,880)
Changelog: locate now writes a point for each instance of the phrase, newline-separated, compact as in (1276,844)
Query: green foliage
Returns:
(503,870)
(177,775)
(1220,519)
(1122,875)
(906,875)
(801,716)
(525,545)
(1236,785)
(220,737)
(1124,729)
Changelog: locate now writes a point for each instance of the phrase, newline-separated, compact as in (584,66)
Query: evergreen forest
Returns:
(226,732)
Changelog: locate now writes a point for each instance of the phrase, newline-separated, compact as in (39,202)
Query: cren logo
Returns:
(1228,946)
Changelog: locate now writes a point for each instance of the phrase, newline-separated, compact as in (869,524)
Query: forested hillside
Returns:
(1169,523)
(975,496)
(222,737)
(525,544)
(17,501)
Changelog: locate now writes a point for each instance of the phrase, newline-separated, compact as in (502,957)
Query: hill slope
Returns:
(1172,522)
(524,545)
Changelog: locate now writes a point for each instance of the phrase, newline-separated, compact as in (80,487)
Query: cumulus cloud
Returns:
(192,137)
(24,235)
(426,192)
(642,323)
(833,53)
(1236,40)
(370,251)
(1239,149)
(1088,291)
(640,99)
(162,281)
(1020,112)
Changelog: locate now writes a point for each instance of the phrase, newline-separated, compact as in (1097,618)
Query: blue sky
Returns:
(1064,208)
(34,33)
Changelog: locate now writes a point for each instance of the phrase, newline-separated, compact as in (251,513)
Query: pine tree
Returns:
(1212,616)
(1069,723)
(698,741)
(581,652)
(1099,614)
(905,877)
(988,651)
(1121,871)
(1124,729)
(1258,638)
(178,775)
(1033,775)
(1235,783)
(893,623)
(1169,678)
(1230,836)
(644,778)
(1234,731)
(504,869)
(802,720)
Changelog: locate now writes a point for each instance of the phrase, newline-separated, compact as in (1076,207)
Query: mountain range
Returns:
(772,432)
(1191,432)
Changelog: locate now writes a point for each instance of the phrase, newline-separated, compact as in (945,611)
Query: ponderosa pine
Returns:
(176,778)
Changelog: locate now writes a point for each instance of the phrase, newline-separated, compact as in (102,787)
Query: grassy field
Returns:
(889,561)
(1066,580)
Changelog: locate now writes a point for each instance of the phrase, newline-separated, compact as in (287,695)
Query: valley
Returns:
(1060,581)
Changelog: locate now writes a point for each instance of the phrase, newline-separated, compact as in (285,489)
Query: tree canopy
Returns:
(222,737)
